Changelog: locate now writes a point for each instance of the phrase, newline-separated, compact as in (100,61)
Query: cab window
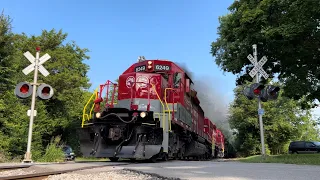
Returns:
(177,79)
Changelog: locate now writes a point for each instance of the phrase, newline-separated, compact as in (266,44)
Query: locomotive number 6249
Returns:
(159,67)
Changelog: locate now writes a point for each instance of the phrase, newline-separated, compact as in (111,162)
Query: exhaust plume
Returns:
(212,101)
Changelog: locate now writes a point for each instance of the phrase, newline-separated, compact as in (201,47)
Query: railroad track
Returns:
(43,175)
(21,166)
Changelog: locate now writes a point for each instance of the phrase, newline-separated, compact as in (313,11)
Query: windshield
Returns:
(317,143)
(67,149)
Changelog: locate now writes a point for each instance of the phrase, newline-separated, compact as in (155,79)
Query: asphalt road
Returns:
(210,170)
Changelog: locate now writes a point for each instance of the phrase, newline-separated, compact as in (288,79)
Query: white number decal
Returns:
(162,67)
(140,68)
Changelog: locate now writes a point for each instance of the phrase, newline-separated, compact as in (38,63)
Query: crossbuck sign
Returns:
(31,67)
(258,66)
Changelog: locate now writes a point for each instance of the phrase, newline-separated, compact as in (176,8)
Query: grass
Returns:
(53,152)
(310,159)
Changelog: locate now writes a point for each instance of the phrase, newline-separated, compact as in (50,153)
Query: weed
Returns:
(53,152)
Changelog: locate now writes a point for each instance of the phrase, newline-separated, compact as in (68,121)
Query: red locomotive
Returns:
(156,115)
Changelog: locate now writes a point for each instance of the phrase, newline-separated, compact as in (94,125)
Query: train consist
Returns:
(152,113)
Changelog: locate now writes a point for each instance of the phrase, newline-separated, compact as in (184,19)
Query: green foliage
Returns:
(283,121)
(61,114)
(311,159)
(287,32)
(5,50)
(53,152)
(3,157)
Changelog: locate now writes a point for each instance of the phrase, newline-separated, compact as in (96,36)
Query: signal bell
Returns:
(45,91)
(23,90)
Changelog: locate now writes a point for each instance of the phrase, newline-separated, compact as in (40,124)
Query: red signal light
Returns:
(45,91)
(256,88)
(24,89)
(256,91)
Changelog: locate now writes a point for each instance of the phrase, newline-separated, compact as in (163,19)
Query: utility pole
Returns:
(33,103)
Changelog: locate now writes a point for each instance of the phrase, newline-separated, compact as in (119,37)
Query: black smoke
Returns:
(213,102)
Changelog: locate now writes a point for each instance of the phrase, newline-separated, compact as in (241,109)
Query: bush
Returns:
(3,157)
(54,152)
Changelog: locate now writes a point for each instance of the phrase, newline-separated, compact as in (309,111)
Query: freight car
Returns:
(152,113)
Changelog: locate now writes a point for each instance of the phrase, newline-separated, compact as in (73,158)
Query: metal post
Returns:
(33,102)
(263,153)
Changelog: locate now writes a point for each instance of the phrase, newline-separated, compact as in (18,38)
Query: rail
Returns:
(85,116)
(168,109)
(45,174)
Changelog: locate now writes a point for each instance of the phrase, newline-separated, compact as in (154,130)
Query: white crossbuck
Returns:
(258,66)
(32,59)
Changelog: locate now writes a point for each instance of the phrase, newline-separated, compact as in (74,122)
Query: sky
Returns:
(117,32)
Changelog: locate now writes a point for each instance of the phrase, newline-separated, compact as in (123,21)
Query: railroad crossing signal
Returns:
(258,90)
(31,67)
(25,89)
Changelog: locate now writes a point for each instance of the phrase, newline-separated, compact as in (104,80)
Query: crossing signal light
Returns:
(270,92)
(23,90)
(247,92)
(257,88)
(273,92)
(253,90)
(45,91)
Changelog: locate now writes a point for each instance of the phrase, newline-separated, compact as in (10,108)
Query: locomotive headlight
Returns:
(143,114)
(149,62)
(98,115)
(149,67)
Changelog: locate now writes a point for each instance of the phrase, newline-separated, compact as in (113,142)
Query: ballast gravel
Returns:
(23,171)
(15,172)
(109,175)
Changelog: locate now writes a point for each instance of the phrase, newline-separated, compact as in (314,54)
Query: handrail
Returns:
(163,114)
(165,99)
(90,115)
(102,86)
(84,115)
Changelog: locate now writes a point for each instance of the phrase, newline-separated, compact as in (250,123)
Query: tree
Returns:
(5,74)
(5,51)
(286,31)
(283,121)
